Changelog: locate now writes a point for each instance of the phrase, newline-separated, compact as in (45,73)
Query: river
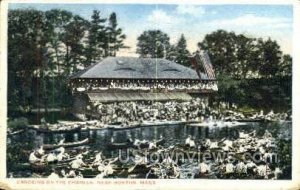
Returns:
(173,134)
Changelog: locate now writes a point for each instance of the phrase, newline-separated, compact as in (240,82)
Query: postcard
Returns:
(149,95)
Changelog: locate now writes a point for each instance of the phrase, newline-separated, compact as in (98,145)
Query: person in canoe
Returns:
(137,143)
(51,157)
(53,175)
(78,162)
(33,158)
(60,150)
(228,145)
(101,175)
(192,143)
(277,173)
(152,145)
(105,167)
(98,159)
(229,169)
(71,174)
(41,151)
(204,169)
(241,169)
(62,141)
(187,140)
(207,143)
(61,154)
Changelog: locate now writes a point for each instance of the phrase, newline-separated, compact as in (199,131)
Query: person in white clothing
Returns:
(207,143)
(192,143)
(152,145)
(51,157)
(136,142)
(100,175)
(71,174)
(204,168)
(214,145)
(53,175)
(33,158)
(77,163)
(229,168)
(60,150)
(277,172)
(61,141)
(241,168)
(98,158)
(41,151)
(187,140)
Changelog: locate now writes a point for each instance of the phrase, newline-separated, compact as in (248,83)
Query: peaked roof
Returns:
(139,68)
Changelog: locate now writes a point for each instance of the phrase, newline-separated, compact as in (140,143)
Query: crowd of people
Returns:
(197,110)
(132,112)
(163,86)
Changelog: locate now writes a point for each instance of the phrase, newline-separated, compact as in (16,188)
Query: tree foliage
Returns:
(250,71)
(153,43)
(96,38)
(179,52)
(46,47)
(115,36)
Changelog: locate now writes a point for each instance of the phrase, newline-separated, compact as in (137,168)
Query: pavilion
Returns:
(117,79)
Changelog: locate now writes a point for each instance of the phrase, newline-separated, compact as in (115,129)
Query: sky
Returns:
(194,21)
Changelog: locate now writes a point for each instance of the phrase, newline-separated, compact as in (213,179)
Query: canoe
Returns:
(49,130)
(158,142)
(70,144)
(159,123)
(249,120)
(39,167)
(131,145)
(119,127)
(15,132)
(120,145)
(42,167)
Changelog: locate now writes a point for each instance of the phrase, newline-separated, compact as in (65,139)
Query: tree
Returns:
(269,57)
(245,59)
(172,53)
(250,71)
(230,90)
(56,52)
(153,43)
(221,49)
(115,36)
(42,46)
(182,52)
(285,67)
(97,39)
(27,36)
(57,20)
(73,39)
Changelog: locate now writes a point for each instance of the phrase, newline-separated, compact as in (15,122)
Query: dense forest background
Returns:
(46,47)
